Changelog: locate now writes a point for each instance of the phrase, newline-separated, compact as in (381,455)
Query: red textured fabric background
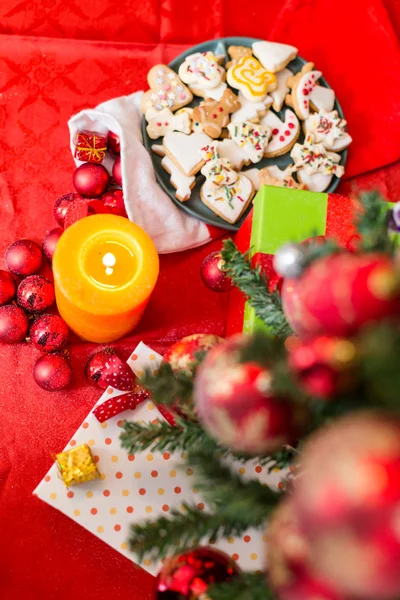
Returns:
(58,56)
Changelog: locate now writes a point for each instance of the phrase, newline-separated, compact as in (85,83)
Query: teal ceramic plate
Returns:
(194,206)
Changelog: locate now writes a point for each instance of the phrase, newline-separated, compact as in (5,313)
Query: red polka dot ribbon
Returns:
(119,404)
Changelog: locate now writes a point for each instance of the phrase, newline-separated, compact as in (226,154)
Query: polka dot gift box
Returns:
(132,488)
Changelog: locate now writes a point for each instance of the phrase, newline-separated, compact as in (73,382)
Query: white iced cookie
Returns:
(165,121)
(306,94)
(254,176)
(274,176)
(278,96)
(284,134)
(273,56)
(253,139)
(183,184)
(314,165)
(329,130)
(183,150)
(228,202)
(249,110)
(203,74)
(228,149)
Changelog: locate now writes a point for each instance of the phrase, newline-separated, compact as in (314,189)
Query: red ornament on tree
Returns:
(117,171)
(91,180)
(189,575)
(114,200)
(339,294)
(182,355)
(7,287)
(50,242)
(35,293)
(23,257)
(14,324)
(106,369)
(52,372)
(61,205)
(49,333)
(235,402)
(113,143)
(212,274)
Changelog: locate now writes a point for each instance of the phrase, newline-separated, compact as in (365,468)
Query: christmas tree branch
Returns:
(160,436)
(245,586)
(372,224)
(254,285)
(170,388)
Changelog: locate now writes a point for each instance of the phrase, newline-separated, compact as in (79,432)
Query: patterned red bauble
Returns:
(23,257)
(61,205)
(212,274)
(114,200)
(52,372)
(183,355)
(91,180)
(14,324)
(7,287)
(324,366)
(113,143)
(50,242)
(235,403)
(188,576)
(35,294)
(49,333)
(347,500)
(117,171)
(105,368)
(339,294)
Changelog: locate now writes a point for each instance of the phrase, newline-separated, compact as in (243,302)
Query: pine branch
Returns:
(253,283)
(372,224)
(316,250)
(168,388)
(160,436)
(245,586)
(185,530)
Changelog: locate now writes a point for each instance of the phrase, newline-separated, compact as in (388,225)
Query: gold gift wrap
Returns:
(77,465)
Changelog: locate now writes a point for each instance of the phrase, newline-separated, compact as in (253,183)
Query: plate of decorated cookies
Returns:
(230,115)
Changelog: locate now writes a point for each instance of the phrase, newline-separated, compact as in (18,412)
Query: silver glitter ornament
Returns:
(289,261)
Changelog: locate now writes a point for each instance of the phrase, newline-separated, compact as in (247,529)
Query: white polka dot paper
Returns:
(133,488)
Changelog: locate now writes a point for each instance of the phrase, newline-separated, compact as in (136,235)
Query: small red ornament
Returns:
(114,143)
(77,210)
(187,576)
(117,171)
(212,274)
(114,200)
(105,368)
(235,402)
(50,242)
(49,333)
(338,294)
(182,355)
(52,372)
(324,365)
(35,293)
(61,206)
(91,180)
(14,324)
(7,287)
(23,257)
(97,207)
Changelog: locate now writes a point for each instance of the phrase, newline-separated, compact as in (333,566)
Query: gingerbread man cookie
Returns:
(329,130)
(274,56)
(228,202)
(273,175)
(236,53)
(213,115)
(284,134)
(183,150)
(249,77)
(204,75)
(306,93)
(166,90)
(315,166)
(165,121)
(253,139)
(183,184)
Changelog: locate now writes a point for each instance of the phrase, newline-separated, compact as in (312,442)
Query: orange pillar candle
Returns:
(105,268)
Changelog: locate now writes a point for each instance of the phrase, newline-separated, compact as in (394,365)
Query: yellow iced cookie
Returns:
(250,77)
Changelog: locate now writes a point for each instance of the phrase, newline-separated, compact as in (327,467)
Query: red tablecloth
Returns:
(58,56)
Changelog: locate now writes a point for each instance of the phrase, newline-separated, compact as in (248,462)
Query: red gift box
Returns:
(90,146)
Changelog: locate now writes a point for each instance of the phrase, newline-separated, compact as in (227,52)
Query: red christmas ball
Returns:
(188,575)
(117,171)
(7,287)
(23,257)
(49,333)
(183,355)
(235,402)
(212,274)
(35,293)
(339,294)
(50,242)
(114,200)
(105,368)
(61,206)
(113,143)
(91,180)
(52,372)
(14,324)
(77,210)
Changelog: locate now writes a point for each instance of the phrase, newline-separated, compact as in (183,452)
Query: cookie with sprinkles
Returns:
(314,165)
(203,74)
(166,90)
(253,139)
(329,130)
(228,202)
